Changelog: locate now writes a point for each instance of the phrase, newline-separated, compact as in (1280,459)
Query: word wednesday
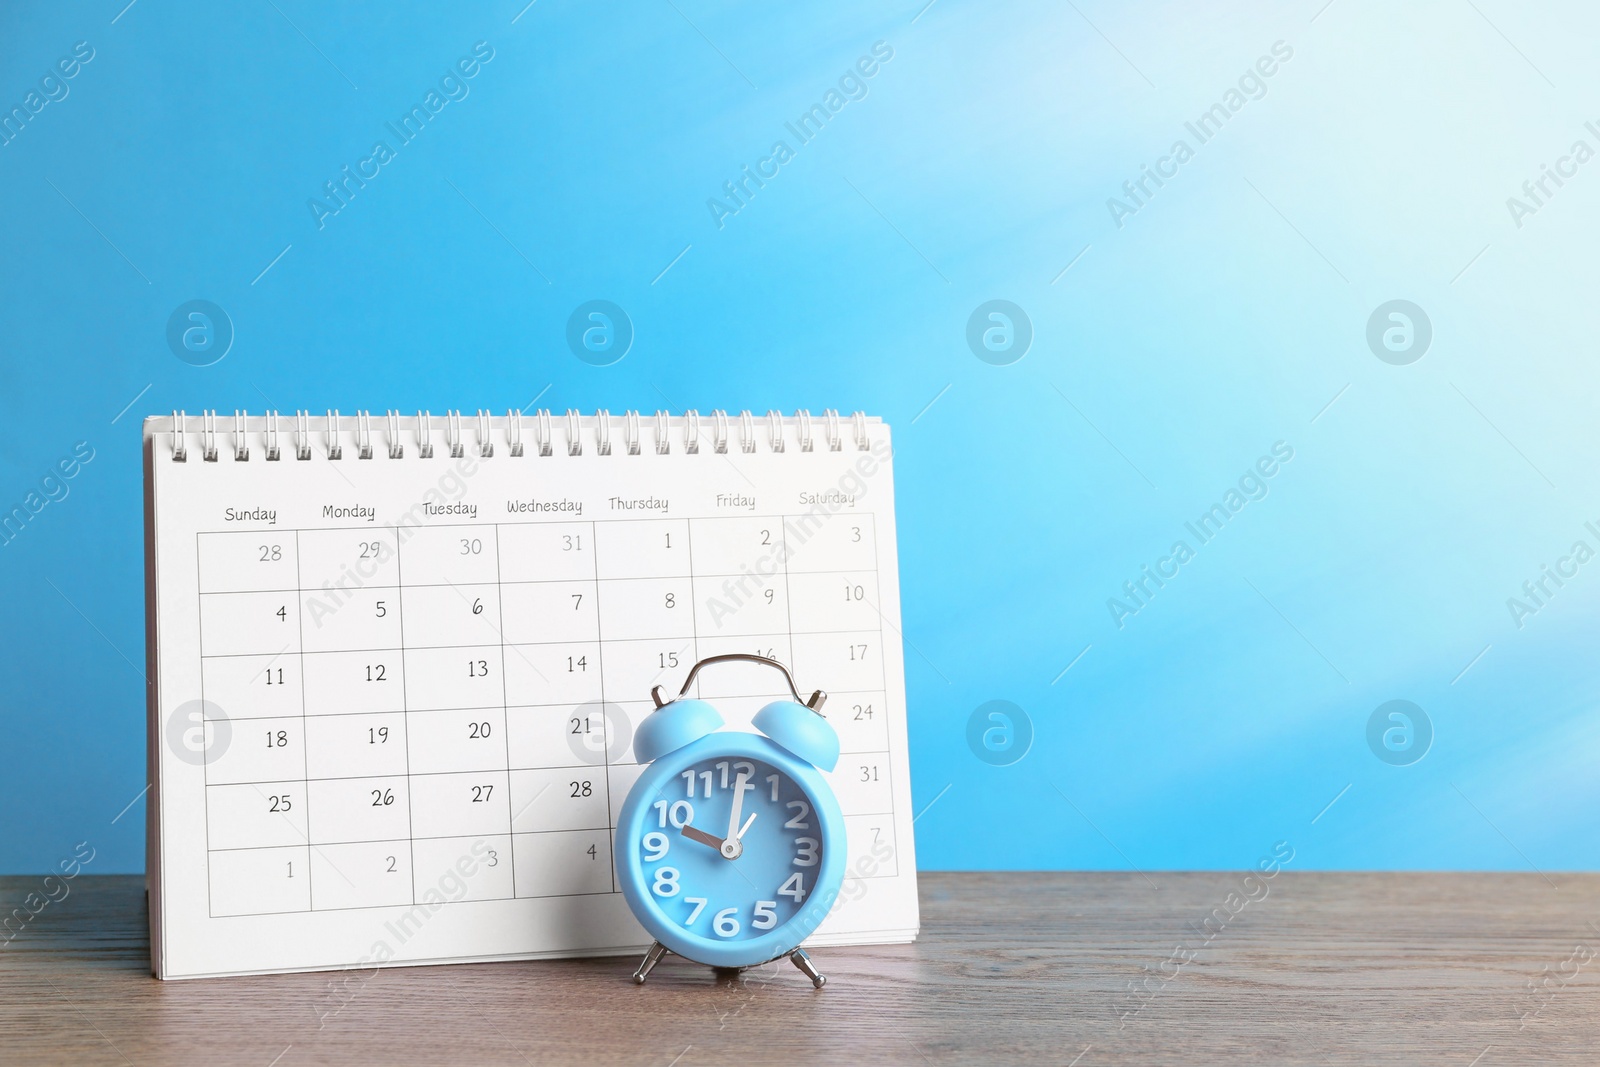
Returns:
(1251,86)
(1252,485)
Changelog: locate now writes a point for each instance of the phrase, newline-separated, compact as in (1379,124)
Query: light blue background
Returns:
(1223,317)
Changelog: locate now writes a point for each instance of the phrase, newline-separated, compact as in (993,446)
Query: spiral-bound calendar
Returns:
(396,663)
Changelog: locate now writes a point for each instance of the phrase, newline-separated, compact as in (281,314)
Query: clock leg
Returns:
(809,969)
(651,958)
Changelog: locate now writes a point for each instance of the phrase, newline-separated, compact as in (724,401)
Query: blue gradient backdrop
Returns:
(1227,313)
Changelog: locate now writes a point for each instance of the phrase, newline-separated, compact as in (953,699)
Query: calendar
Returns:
(396,664)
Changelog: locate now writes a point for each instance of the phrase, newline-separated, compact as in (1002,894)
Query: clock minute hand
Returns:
(701,836)
(732,847)
(740,785)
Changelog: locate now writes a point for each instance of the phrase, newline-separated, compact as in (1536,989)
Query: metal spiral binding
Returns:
(630,431)
(333,428)
(663,432)
(485,440)
(719,430)
(208,436)
(542,432)
(241,440)
(452,434)
(424,442)
(514,431)
(396,449)
(574,433)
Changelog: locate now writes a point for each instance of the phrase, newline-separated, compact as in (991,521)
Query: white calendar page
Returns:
(393,697)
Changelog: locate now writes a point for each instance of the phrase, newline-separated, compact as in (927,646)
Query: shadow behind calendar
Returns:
(396,664)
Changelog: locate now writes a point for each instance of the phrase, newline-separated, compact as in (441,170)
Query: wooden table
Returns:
(1030,968)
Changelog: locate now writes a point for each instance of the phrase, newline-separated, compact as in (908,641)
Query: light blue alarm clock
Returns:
(730,847)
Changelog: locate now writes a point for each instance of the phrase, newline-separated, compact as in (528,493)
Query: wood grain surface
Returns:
(1327,968)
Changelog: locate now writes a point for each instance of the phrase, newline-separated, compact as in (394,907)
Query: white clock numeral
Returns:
(699,906)
(799,820)
(726,924)
(806,845)
(666,883)
(689,777)
(680,814)
(766,915)
(743,768)
(655,845)
(794,886)
(772,780)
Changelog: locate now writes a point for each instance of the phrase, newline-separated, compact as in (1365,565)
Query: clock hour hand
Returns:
(701,836)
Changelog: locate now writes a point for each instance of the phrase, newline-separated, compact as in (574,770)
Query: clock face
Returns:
(729,849)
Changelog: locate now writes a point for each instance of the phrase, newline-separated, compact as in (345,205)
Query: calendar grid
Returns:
(619,579)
